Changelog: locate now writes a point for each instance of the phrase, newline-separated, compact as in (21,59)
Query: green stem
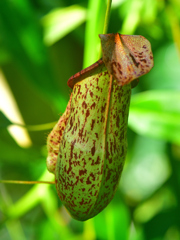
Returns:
(25,182)
(175,166)
(39,127)
(97,20)
(107,16)
(106,20)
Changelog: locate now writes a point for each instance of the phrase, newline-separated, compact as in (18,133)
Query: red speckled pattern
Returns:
(88,145)
(94,145)
(126,57)
(54,139)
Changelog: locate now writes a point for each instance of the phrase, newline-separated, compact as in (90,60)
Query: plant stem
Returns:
(106,19)
(39,127)
(107,16)
(25,182)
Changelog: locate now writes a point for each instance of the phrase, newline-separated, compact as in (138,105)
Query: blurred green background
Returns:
(43,43)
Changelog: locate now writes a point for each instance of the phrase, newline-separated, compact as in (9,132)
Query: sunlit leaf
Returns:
(22,36)
(161,201)
(156,114)
(132,17)
(60,22)
(166,72)
(147,170)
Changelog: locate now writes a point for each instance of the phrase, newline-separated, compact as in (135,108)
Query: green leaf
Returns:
(166,71)
(21,34)
(4,121)
(120,216)
(31,198)
(114,220)
(147,161)
(94,26)
(133,17)
(156,114)
(62,21)
(11,152)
